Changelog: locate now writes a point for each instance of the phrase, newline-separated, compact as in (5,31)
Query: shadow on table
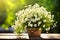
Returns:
(38,38)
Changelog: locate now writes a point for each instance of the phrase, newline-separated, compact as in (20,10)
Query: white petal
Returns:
(35,25)
(44,20)
(43,25)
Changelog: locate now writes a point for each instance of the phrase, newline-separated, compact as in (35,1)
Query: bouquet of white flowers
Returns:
(33,17)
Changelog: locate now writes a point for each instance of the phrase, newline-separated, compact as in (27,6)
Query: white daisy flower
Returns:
(35,25)
(48,28)
(39,23)
(44,20)
(43,25)
(38,12)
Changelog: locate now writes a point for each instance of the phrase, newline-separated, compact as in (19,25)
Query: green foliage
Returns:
(8,8)
(49,4)
(2,12)
(9,15)
(56,12)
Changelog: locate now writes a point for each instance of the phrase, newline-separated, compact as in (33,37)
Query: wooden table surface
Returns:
(25,35)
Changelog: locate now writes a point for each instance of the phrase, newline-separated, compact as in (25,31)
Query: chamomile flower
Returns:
(34,16)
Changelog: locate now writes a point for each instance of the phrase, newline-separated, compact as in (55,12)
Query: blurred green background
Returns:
(8,8)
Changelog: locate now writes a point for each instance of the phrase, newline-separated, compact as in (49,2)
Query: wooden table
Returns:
(12,36)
